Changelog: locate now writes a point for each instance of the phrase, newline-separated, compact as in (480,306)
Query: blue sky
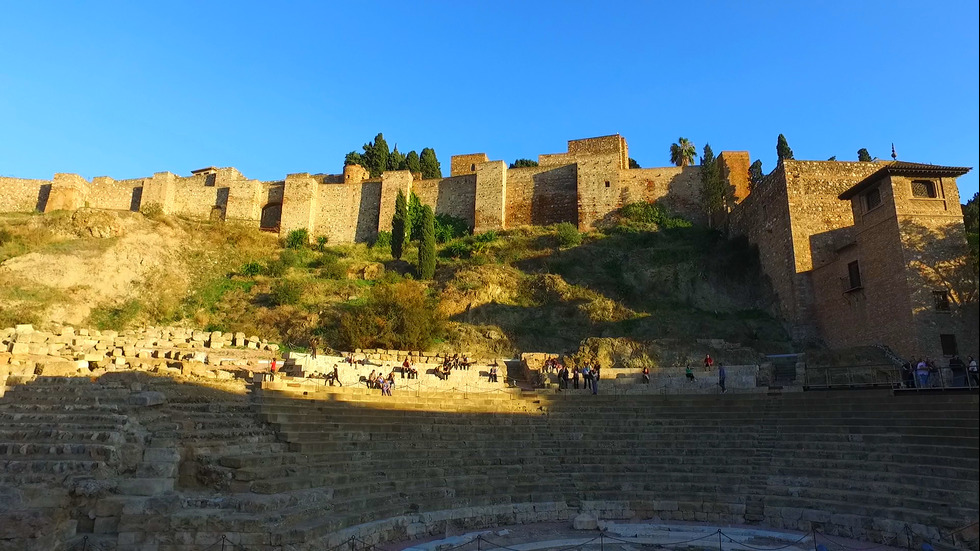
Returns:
(126,89)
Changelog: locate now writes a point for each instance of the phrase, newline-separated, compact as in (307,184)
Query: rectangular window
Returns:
(924,189)
(872,199)
(853,276)
(942,300)
(949,345)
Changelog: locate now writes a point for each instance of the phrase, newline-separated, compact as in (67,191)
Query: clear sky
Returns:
(128,88)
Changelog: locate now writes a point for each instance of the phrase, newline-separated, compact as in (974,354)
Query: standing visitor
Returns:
(721,378)
(646,375)
(575,377)
(313,348)
(972,367)
(587,376)
(595,379)
(562,377)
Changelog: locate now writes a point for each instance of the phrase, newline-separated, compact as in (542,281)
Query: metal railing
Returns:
(887,376)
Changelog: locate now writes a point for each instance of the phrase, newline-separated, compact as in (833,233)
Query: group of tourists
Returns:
(590,374)
(924,373)
(378,381)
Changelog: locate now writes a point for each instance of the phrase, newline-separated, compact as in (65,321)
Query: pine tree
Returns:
(429,164)
(864,156)
(354,158)
(520,163)
(413,222)
(427,245)
(412,162)
(755,174)
(782,148)
(633,163)
(376,156)
(396,161)
(398,224)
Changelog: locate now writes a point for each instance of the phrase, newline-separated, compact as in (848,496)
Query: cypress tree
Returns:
(782,148)
(412,162)
(755,173)
(864,156)
(413,222)
(376,155)
(427,245)
(712,183)
(429,164)
(398,225)
(396,161)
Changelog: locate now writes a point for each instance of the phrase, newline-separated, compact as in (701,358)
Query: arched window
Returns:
(271,216)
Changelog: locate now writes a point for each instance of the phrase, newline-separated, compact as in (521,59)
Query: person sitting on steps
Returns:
(493,374)
(646,375)
(689,374)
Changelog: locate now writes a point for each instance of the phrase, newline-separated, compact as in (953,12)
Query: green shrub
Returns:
(382,241)
(457,249)
(402,315)
(653,214)
(485,237)
(450,227)
(152,210)
(276,268)
(250,269)
(568,235)
(297,239)
(291,258)
(331,267)
(117,316)
(321,243)
(286,291)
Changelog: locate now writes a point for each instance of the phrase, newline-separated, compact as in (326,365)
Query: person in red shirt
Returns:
(708,362)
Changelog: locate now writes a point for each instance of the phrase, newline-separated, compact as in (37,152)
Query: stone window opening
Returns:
(853,281)
(924,189)
(872,199)
(473,168)
(941,299)
(948,343)
(607,183)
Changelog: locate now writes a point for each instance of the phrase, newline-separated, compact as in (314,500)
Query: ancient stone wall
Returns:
(466,164)
(68,192)
(455,196)
(678,188)
(346,213)
(23,195)
(735,169)
(490,200)
(112,194)
(540,195)
(764,218)
(391,183)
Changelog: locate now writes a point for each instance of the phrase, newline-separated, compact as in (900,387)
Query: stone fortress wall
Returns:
(582,186)
(796,217)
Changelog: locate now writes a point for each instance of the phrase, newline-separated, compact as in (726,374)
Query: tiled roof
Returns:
(904,168)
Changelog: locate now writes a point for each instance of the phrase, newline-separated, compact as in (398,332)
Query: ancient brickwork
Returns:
(490,200)
(391,183)
(678,188)
(540,195)
(115,194)
(299,203)
(23,195)
(454,196)
(735,169)
(466,164)
(346,213)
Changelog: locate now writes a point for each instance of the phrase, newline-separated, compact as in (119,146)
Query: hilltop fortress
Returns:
(859,253)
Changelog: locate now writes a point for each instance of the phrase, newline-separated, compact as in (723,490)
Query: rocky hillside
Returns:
(647,283)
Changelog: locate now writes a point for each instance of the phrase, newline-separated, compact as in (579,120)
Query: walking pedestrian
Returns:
(721,377)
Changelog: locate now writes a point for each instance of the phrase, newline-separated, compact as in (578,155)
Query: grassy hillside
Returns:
(646,277)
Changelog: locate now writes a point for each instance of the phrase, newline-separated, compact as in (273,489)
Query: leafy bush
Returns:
(402,315)
(291,258)
(276,268)
(152,210)
(568,235)
(457,249)
(250,269)
(297,239)
(321,243)
(382,241)
(331,267)
(450,227)
(117,316)
(286,291)
(485,237)
(652,214)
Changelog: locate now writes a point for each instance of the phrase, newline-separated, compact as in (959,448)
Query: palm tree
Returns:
(682,153)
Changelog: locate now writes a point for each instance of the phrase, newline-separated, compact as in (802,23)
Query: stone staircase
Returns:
(132,461)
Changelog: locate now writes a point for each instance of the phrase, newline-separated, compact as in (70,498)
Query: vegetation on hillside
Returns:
(646,275)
